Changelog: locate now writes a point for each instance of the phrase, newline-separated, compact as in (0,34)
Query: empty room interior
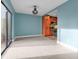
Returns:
(39,29)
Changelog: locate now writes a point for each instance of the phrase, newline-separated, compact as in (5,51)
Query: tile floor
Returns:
(38,48)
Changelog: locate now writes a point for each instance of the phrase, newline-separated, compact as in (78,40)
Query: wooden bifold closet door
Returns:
(46,21)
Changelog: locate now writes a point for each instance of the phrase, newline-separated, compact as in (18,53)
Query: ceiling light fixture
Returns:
(35,11)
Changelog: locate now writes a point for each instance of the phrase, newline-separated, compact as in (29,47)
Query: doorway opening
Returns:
(6,28)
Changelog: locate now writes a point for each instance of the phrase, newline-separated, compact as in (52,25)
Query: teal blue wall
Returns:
(68,14)
(25,24)
(10,7)
(68,23)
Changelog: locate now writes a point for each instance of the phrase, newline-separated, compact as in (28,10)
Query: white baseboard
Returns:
(67,46)
(28,36)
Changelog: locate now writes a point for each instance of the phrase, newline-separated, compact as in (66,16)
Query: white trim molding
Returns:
(67,46)
(28,36)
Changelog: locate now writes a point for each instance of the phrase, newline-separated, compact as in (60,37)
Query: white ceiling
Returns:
(44,6)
